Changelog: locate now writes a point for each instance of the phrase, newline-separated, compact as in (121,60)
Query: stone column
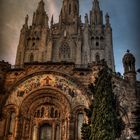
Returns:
(35,133)
(67,129)
(53,131)
(17,128)
(23,130)
(71,128)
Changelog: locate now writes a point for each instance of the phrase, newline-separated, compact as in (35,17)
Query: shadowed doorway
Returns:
(45,132)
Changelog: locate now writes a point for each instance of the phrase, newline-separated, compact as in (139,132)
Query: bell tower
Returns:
(101,36)
(34,39)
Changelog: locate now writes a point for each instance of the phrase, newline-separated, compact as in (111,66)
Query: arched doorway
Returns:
(45,132)
(47,99)
(48,112)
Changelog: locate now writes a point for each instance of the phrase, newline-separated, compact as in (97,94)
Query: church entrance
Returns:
(45,132)
(53,110)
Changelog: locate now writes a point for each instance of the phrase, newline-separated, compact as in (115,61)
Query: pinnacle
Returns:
(96,4)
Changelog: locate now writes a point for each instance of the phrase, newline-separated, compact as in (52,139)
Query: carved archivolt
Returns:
(48,99)
(48,81)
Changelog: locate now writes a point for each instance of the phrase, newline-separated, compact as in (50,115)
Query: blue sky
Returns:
(125,22)
(124,17)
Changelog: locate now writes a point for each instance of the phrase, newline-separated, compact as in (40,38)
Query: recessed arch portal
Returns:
(46,98)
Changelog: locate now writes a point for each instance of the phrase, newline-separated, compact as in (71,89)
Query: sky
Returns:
(124,18)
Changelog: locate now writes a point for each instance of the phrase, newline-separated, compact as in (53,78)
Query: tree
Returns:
(104,121)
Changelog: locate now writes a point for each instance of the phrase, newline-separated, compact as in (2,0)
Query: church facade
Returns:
(44,95)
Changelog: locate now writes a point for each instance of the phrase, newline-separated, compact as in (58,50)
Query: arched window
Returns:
(75,8)
(38,113)
(97,44)
(33,43)
(80,119)
(12,122)
(45,132)
(64,52)
(31,57)
(97,57)
(42,111)
(69,9)
(92,41)
(52,112)
(56,114)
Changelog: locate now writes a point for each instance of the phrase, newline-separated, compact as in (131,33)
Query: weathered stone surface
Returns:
(47,90)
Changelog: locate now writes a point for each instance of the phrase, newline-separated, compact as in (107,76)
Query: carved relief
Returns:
(41,81)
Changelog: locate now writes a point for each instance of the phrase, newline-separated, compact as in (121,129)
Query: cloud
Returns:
(124,21)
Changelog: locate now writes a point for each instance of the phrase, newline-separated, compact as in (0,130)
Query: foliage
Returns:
(86,131)
(104,121)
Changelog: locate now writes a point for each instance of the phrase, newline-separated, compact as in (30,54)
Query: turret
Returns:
(129,67)
(86,47)
(109,43)
(22,43)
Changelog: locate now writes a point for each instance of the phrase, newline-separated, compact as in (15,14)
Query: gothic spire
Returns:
(69,11)
(52,20)
(96,6)
(86,19)
(96,16)
(41,6)
(26,20)
(40,17)
(107,25)
(107,19)
(25,25)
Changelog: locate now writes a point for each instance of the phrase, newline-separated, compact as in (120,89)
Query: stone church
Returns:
(44,95)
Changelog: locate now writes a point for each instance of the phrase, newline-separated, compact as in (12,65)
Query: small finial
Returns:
(42,1)
(26,19)
(96,5)
(128,51)
(52,20)
(86,18)
(107,19)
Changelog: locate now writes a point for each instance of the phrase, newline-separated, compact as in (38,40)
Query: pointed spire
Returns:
(96,6)
(107,25)
(86,18)
(52,20)
(25,25)
(69,11)
(96,15)
(40,17)
(26,20)
(46,20)
(41,6)
(107,19)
